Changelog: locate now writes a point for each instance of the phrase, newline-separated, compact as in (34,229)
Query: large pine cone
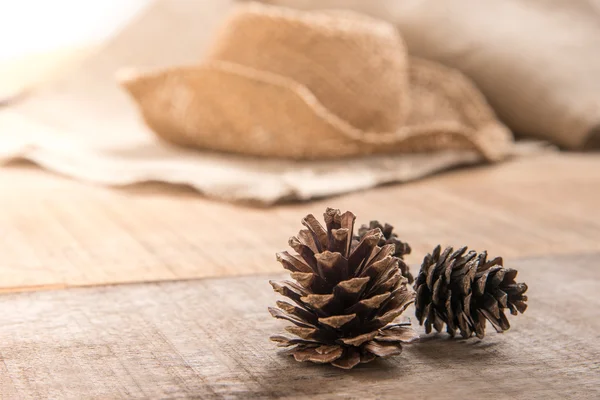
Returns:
(389,237)
(346,295)
(464,290)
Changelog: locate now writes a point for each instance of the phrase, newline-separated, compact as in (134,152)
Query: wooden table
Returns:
(78,335)
(60,233)
(208,339)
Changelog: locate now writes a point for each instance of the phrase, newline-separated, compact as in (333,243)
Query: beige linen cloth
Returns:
(536,61)
(86,127)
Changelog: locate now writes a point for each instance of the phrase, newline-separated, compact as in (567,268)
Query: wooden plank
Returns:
(208,339)
(58,233)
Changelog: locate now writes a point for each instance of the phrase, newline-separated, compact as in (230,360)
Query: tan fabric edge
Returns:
(264,184)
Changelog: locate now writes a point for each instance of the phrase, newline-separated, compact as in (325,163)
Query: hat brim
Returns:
(229,107)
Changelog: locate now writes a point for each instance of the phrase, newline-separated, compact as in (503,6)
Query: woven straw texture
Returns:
(537,61)
(315,85)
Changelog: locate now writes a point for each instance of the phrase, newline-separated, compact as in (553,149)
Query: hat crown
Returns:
(355,66)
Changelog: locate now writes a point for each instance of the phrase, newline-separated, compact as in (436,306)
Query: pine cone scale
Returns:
(339,240)
(321,304)
(311,354)
(291,263)
(306,238)
(360,254)
(501,297)
(337,321)
(387,250)
(308,280)
(349,360)
(332,267)
(285,341)
(397,334)
(297,312)
(360,339)
(399,300)
(305,252)
(318,232)
(277,313)
(383,349)
(288,292)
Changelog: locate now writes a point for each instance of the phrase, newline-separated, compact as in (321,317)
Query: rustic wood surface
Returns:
(208,339)
(57,233)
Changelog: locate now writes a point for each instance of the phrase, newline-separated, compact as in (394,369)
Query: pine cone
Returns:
(346,295)
(402,248)
(464,290)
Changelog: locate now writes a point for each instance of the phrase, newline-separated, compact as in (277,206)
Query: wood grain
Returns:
(58,233)
(208,339)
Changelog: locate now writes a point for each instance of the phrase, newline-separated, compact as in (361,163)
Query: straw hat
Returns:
(315,85)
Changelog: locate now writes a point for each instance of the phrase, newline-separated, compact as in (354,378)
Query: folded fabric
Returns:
(536,61)
(221,176)
(313,85)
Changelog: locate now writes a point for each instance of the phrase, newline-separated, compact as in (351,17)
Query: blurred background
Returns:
(33,26)
(38,37)
(133,82)
(539,54)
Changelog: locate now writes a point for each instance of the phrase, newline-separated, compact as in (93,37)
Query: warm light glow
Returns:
(34,26)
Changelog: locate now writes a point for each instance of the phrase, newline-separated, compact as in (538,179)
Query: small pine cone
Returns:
(389,237)
(464,290)
(346,295)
